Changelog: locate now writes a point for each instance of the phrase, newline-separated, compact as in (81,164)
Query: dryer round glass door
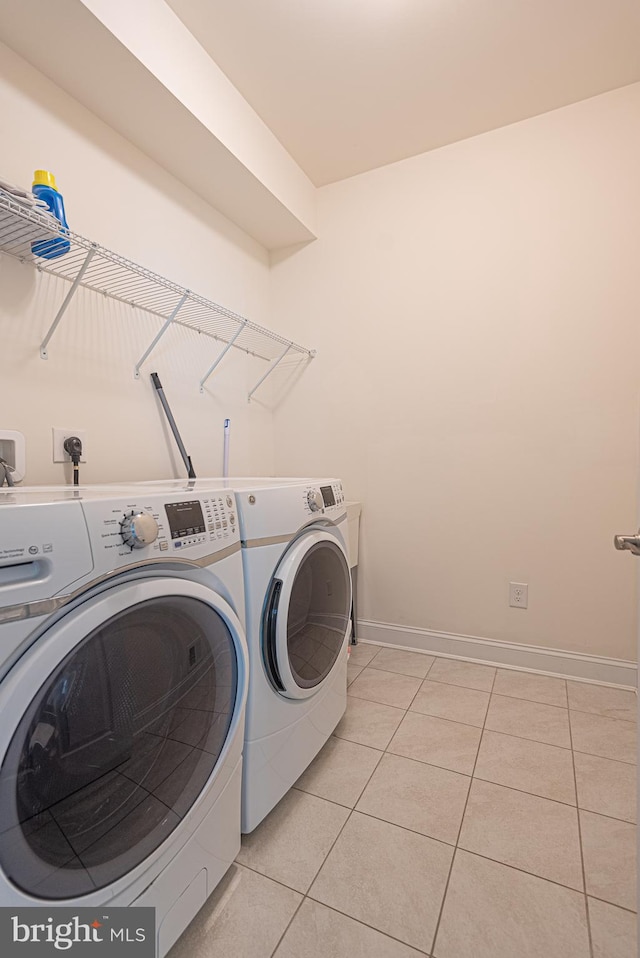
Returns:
(121,711)
(307,614)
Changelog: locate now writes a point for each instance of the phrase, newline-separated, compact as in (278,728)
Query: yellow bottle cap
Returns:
(44,178)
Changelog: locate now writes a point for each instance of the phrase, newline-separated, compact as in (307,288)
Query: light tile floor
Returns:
(459,811)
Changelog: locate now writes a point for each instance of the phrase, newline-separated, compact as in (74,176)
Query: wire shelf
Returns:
(91,266)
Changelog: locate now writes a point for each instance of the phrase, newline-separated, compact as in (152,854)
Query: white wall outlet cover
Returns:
(59,436)
(13,449)
(519,595)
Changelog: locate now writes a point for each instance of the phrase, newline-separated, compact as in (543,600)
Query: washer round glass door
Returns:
(127,704)
(307,615)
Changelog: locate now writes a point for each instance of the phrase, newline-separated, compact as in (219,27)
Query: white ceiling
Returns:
(350,85)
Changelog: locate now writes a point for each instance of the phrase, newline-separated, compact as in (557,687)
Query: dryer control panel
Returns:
(327,497)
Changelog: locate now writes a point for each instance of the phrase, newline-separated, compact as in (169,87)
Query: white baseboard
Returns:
(572,665)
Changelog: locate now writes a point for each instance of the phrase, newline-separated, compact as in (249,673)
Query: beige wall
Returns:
(475,311)
(116,195)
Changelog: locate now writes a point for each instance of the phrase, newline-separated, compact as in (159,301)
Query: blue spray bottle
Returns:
(44,187)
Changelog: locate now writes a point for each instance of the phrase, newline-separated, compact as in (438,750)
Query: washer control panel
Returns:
(194,521)
(160,526)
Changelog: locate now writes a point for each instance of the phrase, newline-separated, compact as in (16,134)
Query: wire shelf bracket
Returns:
(220,358)
(45,342)
(271,368)
(156,340)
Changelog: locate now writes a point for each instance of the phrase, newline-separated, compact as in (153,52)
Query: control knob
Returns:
(314,500)
(139,530)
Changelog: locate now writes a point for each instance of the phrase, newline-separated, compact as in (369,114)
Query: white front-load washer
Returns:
(123,683)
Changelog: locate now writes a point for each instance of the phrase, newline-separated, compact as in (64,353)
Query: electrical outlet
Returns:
(59,436)
(518,595)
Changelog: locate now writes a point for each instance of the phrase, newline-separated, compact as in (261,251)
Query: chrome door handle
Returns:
(632,543)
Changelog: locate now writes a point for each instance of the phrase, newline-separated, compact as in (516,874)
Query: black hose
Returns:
(155,379)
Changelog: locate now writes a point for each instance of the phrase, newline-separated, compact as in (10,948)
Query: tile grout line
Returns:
(351,812)
(464,812)
(384,752)
(289,923)
(584,874)
(453,771)
(406,675)
(359,698)
(611,818)
(522,871)
(278,881)
(612,718)
(629,911)
(542,878)
(364,924)
(547,798)
(607,758)
(305,895)
(399,708)
(422,681)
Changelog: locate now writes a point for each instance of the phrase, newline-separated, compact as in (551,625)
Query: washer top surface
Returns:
(23,495)
(236,483)
(115,490)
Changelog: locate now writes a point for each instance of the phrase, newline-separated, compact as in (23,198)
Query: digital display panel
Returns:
(327,495)
(185,518)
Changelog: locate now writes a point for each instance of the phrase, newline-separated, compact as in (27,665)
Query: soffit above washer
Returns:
(140,70)
(350,85)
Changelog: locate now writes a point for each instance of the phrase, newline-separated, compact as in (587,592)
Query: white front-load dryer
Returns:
(123,683)
(298,623)
(298,609)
